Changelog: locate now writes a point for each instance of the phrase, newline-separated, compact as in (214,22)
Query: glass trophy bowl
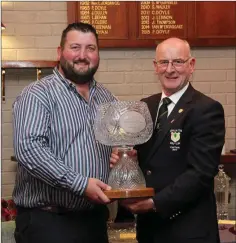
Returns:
(123,124)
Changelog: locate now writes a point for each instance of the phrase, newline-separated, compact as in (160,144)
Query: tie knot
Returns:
(166,101)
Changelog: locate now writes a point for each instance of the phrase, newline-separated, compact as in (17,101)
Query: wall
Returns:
(33,33)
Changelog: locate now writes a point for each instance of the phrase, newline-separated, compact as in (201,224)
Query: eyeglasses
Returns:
(176,63)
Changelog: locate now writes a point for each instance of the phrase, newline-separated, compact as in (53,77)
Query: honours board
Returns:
(146,23)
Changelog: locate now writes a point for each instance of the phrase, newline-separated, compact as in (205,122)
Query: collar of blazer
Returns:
(176,113)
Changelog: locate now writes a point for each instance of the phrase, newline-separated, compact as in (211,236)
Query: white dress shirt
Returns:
(174,99)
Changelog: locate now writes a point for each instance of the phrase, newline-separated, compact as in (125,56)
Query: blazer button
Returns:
(148,172)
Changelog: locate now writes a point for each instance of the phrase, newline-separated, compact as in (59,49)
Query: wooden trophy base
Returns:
(129,193)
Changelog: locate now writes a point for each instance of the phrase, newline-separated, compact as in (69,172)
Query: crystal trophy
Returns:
(221,189)
(124,124)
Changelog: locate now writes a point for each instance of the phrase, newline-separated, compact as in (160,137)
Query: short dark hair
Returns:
(79,26)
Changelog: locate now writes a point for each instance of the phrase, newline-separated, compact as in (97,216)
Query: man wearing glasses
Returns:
(182,157)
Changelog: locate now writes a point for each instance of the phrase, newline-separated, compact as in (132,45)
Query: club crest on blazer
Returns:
(175,138)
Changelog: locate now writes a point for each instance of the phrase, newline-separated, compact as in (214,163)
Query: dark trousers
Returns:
(39,226)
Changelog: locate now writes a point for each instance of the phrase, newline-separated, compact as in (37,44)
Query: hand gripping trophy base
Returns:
(126,179)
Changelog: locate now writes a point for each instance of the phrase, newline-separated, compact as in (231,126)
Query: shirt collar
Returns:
(176,96)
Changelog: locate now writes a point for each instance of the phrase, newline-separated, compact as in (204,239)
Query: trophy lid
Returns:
(122,123)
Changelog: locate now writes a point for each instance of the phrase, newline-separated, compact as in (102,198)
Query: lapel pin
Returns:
(172,121)
(181,110)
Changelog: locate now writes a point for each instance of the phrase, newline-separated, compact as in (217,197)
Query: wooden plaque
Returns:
(130,193)
(109,18)
(146,23)
(215,23)
(212,23)
(160,20)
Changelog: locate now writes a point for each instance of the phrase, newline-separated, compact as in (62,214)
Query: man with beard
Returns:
(182,157)
(62,171)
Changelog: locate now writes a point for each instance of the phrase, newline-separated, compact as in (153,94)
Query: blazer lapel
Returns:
(153,107)
(179,109)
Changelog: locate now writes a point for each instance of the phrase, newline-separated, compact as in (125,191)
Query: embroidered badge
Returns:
(175,139)
(175,136)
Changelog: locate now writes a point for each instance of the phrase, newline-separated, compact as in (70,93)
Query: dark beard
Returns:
(75,76)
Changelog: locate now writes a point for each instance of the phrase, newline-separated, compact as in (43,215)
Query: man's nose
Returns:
(82,54)
(170,68)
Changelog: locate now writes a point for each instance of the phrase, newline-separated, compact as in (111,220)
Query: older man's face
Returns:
(173,66)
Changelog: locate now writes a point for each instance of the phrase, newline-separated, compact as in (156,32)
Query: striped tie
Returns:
(162,114)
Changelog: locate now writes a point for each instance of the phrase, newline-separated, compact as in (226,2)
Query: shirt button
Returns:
(148,172)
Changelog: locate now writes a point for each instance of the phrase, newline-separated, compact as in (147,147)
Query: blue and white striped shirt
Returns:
(54,143)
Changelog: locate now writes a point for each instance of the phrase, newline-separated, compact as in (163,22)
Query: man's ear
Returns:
(192,64)
(155,66)
(59,51)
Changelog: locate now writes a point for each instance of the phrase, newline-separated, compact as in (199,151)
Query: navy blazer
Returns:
(180,164)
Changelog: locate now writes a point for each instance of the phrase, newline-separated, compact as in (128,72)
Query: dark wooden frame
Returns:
(228,158)
(28,64)
(133,42)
